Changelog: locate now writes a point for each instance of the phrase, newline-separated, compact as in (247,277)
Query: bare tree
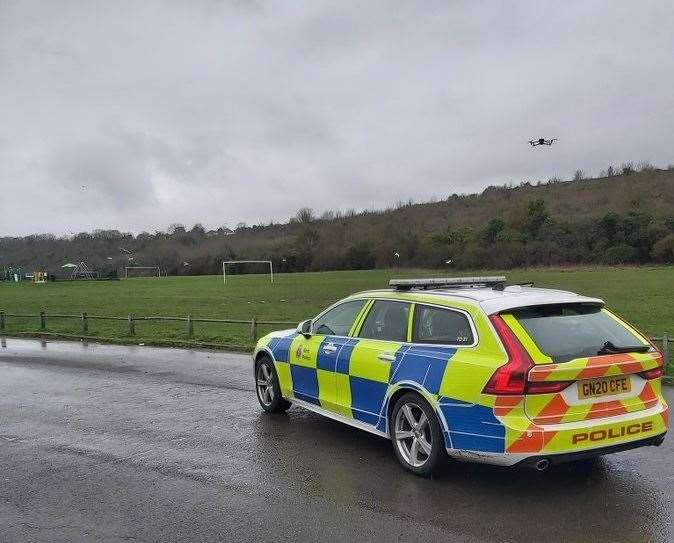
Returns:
(305,215)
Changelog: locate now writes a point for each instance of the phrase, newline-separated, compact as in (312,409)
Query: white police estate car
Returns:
(473,368)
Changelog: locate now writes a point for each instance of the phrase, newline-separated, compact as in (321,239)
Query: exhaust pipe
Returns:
(542,464)
(658,440)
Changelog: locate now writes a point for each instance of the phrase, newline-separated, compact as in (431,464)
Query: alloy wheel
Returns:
(412,433)
(265,385)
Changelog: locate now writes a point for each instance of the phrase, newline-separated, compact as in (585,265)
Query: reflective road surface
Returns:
(106,443)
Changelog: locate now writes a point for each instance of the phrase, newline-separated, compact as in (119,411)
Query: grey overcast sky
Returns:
(135,115)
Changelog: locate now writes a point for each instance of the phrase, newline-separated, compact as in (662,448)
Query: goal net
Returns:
(234,267)
(142,271)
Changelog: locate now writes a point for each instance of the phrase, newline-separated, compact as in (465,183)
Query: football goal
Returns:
(142,271)
(230,263)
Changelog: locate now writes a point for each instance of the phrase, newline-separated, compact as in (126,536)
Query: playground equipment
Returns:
(12,273)
(80,271)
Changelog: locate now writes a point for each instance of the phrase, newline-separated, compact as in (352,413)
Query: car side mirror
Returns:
(304,328)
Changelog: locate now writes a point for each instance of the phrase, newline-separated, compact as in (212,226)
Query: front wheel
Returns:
(416,435)
(267,387)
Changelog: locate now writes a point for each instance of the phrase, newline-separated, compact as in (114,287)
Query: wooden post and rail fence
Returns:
(131,321)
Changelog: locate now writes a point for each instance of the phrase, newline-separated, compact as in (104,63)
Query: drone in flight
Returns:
(542,141)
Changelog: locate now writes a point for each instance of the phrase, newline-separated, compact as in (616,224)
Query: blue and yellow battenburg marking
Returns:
(343,378)
(356,378)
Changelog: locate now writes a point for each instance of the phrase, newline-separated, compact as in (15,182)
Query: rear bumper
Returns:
(526,443)
(533,461)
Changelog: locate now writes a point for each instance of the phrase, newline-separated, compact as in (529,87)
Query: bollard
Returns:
(190,326)
(132,326)
(2,320)
(85,323)
(43,320)
(253,328)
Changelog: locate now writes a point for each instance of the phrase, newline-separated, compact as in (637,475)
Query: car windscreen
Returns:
(569,331)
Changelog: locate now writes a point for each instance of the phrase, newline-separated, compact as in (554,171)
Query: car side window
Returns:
(339,320)
(386,320)
(441,326)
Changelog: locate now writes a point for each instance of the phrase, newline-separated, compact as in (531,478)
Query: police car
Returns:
(472,368)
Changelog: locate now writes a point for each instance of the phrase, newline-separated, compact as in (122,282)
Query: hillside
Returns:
(617,219)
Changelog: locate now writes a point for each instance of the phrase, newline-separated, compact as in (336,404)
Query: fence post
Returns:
(190,326)
(253,328)
(665,351)
(2,320)
(43,320)
(132,326)
(85,323)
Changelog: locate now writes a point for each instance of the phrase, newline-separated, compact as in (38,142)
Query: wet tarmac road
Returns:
(105,443)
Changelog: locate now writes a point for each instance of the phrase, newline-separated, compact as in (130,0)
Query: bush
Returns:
(627,168)
(494,227)
(360,257)
(537,214)
(471,257)
(620,254)
(663,250)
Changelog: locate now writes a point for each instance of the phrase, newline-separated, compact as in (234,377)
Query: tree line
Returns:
(602,221)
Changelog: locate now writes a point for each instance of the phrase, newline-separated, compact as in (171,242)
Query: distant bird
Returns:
(397,255)
(448,261)
(125,250)
(186,263)
(109,258)
(542,141)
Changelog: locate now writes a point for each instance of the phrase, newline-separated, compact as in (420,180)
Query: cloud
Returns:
(114,172)
(220,112)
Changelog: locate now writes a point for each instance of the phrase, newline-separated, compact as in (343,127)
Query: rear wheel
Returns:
(267,387)
(416,435)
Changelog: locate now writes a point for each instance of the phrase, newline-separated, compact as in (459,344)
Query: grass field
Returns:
(644,296)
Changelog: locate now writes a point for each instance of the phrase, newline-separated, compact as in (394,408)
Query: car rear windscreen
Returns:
(566,332)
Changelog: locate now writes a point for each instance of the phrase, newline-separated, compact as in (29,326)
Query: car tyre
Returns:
(416,435)
(267,387)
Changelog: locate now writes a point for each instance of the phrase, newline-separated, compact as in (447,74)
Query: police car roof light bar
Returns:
(497,282)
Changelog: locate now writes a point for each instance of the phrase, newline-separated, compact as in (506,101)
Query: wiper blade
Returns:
(610,348)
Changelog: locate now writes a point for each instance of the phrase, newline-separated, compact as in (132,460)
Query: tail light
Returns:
(510,378)
(547,387)
(655,373)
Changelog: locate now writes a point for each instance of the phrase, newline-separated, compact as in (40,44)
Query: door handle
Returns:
(388,357)
(330,348)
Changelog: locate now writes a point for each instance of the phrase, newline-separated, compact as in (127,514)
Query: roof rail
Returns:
(497,282)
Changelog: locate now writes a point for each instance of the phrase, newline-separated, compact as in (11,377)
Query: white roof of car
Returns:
(494,300)
(511,297)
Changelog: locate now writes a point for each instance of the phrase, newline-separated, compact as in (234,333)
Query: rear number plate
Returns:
(606,386)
